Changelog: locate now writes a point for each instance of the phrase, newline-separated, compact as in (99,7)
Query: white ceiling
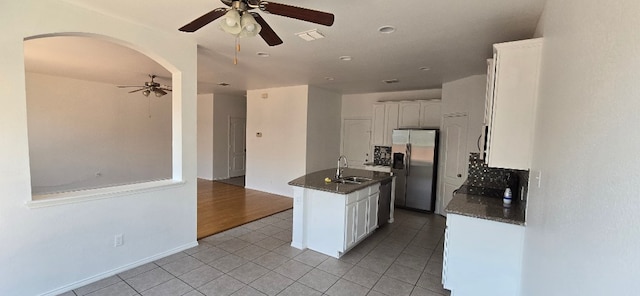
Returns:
(452,38)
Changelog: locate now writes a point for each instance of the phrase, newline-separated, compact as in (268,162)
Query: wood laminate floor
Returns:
(223,206)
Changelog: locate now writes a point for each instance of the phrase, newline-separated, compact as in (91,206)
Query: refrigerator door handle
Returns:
(408,161)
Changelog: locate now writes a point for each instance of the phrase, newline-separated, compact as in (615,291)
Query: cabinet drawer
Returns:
(374,189)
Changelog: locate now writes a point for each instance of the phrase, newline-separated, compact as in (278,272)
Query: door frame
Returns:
(441,164)
(342,132)
(229,119)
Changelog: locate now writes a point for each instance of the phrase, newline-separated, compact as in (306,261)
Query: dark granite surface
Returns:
(468,203)
(316,181)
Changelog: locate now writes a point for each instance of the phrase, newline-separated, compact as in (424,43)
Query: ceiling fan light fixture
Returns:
(159,92)
(146,92)
(231,22)
(249,26)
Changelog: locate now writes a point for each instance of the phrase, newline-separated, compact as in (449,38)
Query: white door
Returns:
(454,138)
(355,141)
(237,146)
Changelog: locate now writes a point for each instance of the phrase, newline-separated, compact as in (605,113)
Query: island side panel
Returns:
(325,222)
(298,232)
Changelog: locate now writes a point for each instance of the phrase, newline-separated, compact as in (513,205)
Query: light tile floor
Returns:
(403,258)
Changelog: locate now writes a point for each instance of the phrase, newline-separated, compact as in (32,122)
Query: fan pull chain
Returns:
(235,54)
(149,106)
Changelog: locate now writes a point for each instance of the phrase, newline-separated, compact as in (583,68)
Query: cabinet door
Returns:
(391,121)
(430,114)
(361,218)
(514,104)
(350,225)
(409,114)
(372,218)
(377,137)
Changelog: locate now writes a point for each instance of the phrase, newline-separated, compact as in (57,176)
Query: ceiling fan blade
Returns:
(137,90)
(309,15)
(203,20)
(266,32)
(123,86)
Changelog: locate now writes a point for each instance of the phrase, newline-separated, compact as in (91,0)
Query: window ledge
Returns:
(56,199)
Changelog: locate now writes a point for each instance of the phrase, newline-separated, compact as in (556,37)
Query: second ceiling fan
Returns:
(240,22)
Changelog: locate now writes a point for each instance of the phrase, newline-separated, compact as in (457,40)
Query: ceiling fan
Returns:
(242,23)
(150,87)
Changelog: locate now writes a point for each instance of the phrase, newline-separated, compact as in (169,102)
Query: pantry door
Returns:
(454,138)
(356,137)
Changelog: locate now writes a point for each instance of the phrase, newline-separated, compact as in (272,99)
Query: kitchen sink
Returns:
(357,179)
(352,180)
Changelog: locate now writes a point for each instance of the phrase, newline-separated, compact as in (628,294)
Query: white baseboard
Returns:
(118,270)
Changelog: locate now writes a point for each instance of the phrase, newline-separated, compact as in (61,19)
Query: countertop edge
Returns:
(486,207)
(315,180)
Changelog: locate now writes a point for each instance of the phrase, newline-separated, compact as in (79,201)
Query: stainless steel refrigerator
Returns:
(414,155)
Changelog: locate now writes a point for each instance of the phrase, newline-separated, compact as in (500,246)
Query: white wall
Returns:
(85,134)
(39,256)
(323,129)
(279,156)
(361,105)
(582,233)
(205,136)
(224,107)
(467,95)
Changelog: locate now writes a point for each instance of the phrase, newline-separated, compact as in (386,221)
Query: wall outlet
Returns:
(118,240)
(539,178)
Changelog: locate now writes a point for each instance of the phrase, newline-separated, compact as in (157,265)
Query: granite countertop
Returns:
(316,181)
(484,204)
(373,164)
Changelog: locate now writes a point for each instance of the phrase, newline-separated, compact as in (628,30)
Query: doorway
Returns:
(355,143)
(454,139)
(237,147)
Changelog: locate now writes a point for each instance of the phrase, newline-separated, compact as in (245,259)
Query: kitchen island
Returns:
(484,242)
(332,218)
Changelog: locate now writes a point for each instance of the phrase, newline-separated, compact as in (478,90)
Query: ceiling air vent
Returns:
(390,81)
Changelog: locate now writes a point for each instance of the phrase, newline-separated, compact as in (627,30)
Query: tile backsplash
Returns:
(484,179)
(382,155)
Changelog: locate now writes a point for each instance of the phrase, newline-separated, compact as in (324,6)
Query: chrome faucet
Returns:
(339,170)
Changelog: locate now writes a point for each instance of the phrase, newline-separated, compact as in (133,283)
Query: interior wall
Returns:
(279,154)
(466,95)
(582,231)
(53,249)
(205,136)
(361,105)
(323,129)
(224,107)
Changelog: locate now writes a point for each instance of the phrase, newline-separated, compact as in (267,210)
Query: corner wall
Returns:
(205,136)
(279,155)
(582,233)
(53,249)
(323,129)
(224,107)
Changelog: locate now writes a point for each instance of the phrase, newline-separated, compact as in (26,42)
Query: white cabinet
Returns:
(482,257)
(430,114)
(388,116)
(409,114)
(385,120)
(332,223)
(511,103)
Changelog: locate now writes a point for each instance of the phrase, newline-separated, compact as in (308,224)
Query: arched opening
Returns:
(85,132)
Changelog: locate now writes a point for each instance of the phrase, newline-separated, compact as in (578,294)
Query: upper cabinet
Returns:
(388,116)
(409,114)
(385,120)
(512,92)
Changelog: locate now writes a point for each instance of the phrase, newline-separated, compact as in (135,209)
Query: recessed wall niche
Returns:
(84,131)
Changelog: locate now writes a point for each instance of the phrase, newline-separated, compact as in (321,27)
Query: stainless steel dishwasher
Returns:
(384,202)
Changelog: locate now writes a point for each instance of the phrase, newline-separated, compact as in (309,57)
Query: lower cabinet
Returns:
(482,257)
(332,223)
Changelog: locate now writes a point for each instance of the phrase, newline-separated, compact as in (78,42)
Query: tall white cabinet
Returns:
(388,116)
(512,92)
